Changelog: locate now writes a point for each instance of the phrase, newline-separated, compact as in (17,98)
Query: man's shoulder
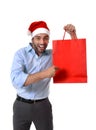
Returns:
(21,51)
(24,49)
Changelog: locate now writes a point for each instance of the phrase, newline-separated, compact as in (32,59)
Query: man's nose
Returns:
(41,40)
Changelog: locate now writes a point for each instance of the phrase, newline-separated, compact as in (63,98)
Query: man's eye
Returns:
(46,38)
(38,38)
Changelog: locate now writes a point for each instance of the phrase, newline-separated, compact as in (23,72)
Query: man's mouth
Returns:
(41,46)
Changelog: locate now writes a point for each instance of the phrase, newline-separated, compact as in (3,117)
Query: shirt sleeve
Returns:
(18,73)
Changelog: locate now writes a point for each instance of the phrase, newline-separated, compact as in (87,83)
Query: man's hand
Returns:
(50,72)
(69,28)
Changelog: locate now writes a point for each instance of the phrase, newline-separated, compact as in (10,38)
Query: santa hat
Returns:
(38,27)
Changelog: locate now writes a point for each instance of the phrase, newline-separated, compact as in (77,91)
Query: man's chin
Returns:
(41,50)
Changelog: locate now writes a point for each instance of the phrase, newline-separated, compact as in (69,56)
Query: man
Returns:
(31,73)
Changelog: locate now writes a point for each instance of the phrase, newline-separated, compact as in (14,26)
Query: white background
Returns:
(74,105)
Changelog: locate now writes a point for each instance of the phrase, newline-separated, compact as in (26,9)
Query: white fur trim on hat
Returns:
(40,30)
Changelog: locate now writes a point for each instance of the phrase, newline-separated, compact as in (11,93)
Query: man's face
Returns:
(40,42)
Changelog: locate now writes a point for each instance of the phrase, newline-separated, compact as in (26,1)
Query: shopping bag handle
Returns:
(64,35)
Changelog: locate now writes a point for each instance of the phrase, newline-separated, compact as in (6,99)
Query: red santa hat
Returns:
(38,27)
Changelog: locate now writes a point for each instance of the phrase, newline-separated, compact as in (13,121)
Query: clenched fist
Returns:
(69,28)
(50,72)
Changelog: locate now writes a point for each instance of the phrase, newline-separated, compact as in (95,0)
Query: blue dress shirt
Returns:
(26,62)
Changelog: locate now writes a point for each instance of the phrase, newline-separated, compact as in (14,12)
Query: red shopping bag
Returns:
(70,57)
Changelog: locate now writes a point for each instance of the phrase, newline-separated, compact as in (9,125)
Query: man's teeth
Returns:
(41,46)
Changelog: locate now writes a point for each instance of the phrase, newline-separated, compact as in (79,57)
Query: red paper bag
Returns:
(70,57)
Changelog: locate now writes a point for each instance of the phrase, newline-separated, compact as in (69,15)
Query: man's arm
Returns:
(48,73)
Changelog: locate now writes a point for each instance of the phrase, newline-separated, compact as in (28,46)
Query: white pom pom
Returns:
(29,33)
